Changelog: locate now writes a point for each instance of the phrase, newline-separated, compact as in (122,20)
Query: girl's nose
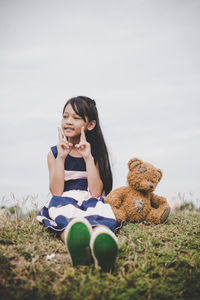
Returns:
(69,121)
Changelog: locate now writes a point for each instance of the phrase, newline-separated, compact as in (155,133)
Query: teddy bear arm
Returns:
(116,197)
(158,201)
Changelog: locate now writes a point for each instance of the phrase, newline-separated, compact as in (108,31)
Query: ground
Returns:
(154,262)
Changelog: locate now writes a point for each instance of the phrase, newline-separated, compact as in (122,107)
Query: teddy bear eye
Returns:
(142,169)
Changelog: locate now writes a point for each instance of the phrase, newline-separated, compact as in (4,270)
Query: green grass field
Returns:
(154,262)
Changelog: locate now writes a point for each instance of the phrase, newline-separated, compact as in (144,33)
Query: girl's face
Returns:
(72,123)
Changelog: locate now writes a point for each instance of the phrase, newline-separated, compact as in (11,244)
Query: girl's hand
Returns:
(64,147)
(83,147)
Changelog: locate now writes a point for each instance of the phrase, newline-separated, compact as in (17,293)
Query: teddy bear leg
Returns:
(165,215)
(119,214)
(153,217)
(157,215)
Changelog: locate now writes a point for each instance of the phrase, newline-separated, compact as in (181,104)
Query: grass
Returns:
(154,262)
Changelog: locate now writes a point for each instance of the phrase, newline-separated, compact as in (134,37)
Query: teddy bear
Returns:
(137,202)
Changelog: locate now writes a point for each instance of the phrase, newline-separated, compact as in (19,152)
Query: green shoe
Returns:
(104,248)
(77,238)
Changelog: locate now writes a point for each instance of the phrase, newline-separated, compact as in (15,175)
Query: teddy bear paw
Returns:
(165,215)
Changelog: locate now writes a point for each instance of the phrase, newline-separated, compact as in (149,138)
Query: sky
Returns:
(139,60)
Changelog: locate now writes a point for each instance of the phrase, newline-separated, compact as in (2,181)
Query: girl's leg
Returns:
(104,247)
(77,237)
(62,235)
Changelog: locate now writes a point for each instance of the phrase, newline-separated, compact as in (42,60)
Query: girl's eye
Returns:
(77,118)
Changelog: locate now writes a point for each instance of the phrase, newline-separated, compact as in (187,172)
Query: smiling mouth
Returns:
(69,128)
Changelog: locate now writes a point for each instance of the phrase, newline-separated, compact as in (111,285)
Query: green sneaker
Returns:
(104,248)
(77,238)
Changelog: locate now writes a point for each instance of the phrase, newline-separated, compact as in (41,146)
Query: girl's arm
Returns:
(95,183)
(56,174)
(56,165)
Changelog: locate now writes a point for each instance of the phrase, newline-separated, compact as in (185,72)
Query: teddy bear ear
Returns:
(133,163)
(160,174)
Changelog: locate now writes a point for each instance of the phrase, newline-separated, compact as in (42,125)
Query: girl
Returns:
(79,177)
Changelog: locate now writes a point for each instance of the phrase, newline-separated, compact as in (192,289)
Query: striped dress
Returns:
(76,201)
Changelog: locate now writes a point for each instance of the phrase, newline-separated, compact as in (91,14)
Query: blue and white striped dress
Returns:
(76,201)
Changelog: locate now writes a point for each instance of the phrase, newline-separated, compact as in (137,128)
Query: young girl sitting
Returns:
(80,176)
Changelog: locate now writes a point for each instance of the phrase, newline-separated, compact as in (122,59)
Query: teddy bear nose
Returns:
(151,186)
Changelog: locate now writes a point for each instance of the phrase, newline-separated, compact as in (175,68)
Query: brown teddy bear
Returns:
(137,202)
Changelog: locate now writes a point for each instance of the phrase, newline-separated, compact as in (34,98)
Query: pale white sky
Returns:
(138,59)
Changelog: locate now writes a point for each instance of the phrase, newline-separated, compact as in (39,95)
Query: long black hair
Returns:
(86,107)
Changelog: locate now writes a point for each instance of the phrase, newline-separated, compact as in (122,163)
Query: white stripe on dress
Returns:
(71,175)
(41,218)
(70,211)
